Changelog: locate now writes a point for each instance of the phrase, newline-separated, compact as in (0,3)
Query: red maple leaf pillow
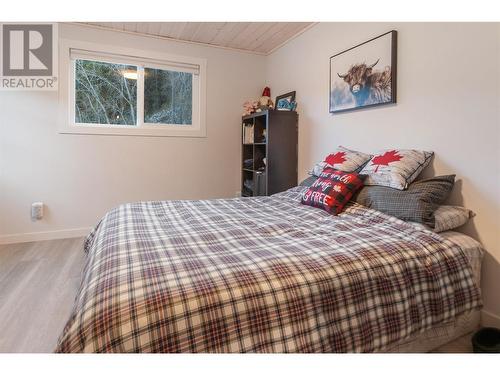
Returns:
(332,190)
(395,168)
(342,159)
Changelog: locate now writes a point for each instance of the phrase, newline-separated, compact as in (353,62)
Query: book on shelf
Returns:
(247,133)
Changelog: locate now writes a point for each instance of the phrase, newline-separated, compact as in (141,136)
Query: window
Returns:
(155,95)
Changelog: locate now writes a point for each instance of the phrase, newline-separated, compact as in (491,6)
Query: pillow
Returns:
(417,204)
(332,190)
(342,159)
(451,217)
(395,168)
(308,181)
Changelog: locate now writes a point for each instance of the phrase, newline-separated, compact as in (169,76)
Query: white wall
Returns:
(80,177)
(448,102)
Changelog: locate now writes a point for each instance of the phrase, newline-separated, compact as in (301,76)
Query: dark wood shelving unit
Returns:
(272,159)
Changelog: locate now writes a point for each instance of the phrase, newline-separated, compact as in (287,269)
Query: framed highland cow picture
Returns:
(364,75)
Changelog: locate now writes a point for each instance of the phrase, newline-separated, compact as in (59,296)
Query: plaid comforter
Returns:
(262,274)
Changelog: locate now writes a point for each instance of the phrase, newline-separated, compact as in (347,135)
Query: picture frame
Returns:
(364,75)
(286,99)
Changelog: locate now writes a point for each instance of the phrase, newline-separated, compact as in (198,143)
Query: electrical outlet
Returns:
(36,211)
(237,194)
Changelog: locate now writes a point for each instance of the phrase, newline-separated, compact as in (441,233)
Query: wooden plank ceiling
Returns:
(257,37)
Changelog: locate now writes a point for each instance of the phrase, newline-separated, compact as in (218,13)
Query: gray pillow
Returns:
(416,204)
(308,181)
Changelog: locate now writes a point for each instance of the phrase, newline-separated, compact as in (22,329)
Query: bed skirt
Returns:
(438,336)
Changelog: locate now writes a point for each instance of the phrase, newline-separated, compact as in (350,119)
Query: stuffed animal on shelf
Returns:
(249,107)
(265,100)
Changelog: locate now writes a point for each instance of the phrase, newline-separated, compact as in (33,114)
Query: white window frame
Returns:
(142,59)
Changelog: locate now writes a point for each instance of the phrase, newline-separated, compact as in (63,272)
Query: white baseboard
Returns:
(488,319)
(43,236)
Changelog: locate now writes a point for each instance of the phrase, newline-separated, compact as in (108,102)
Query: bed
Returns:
(268,274)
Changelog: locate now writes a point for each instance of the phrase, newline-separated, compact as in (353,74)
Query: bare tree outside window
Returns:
(104,94)
(168,97)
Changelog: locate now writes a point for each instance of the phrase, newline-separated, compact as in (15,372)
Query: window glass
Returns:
(105,93)
(168,97)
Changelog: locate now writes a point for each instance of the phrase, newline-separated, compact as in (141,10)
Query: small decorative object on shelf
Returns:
(265,101)
(286,102)
(263,136)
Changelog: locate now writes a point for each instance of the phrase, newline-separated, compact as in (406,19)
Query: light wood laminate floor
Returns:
(38,284)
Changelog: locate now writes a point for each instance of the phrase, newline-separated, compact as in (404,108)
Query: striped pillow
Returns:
(451,217)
